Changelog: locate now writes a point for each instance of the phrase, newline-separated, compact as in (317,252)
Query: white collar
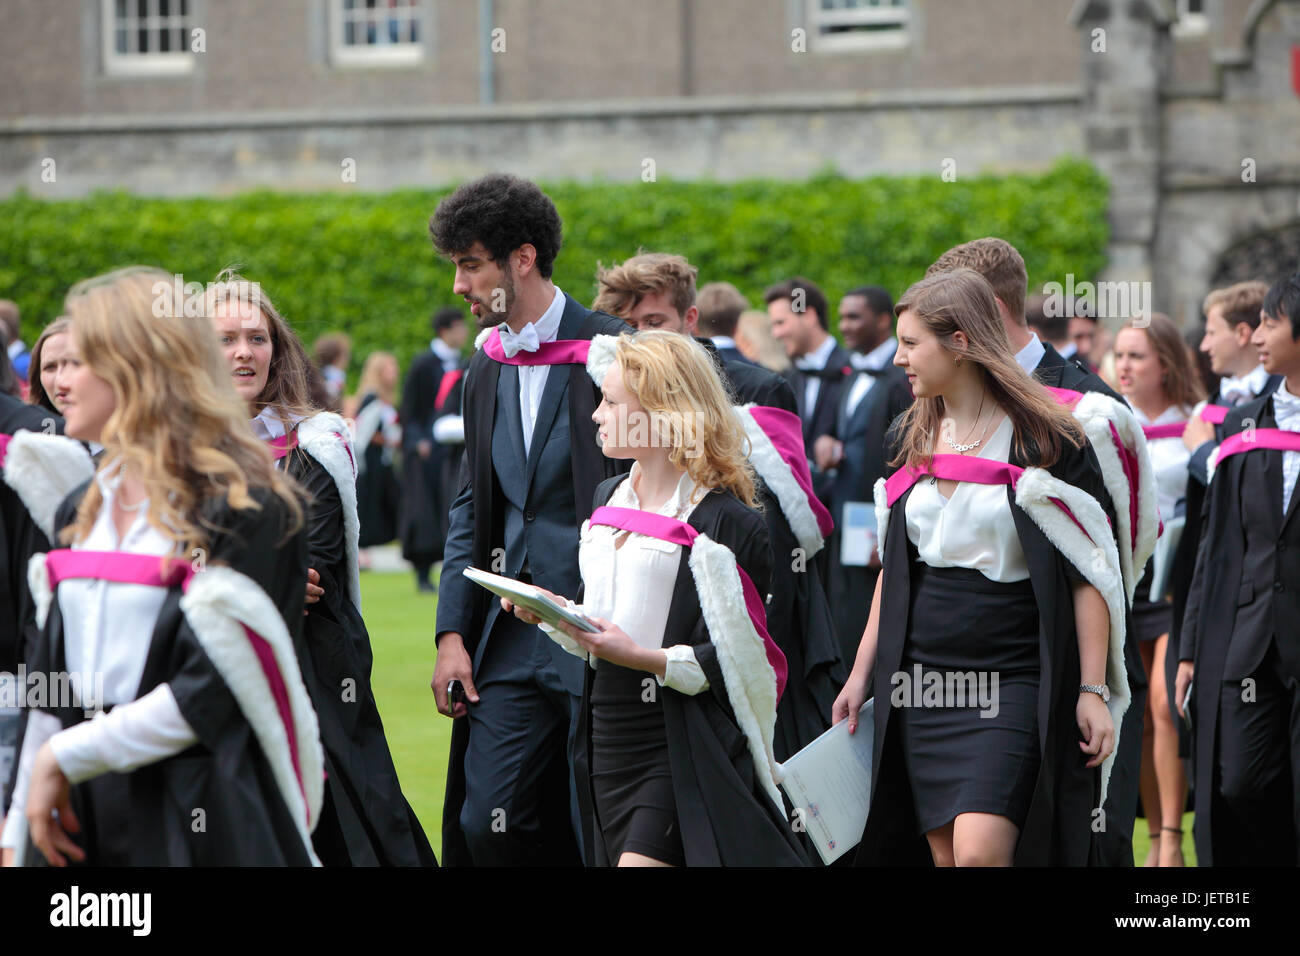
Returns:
(818,357)
(723,342)
(878,358)
(1285,402)
(1170,416)
(444,351)
(267,426)
(1252,383)
(548,323)
(16,348)
(683,498)
(1029,357)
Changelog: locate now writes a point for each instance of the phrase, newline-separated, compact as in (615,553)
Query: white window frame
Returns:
(875,40)
(172,63)
(377,54)
(1187,24)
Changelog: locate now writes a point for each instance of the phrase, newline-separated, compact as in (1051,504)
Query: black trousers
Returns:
(520,748)
(1259,767)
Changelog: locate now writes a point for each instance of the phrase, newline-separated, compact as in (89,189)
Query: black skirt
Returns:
(631,782)
(1151,619)
(966,697)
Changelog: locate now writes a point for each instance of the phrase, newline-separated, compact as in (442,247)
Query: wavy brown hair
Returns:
(962,300)
(36,394)
(288,388)
(677,383)
(1182,382)
(178,426)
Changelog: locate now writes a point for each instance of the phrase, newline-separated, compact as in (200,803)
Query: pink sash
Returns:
(1172,430)
(785,431)
(280,447)
(981,471)
(561,352)
(1065,396)
(681,533)
(1214,414)
(4,447)
(123,568)
(1272,438)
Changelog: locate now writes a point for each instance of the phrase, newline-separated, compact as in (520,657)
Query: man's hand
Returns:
(828,452)
(1197,432)
(48,793)
(1182,681)
(424,448)
(453,663)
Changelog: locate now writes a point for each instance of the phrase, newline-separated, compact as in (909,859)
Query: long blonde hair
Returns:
(287,388)
(962,300)
(178,426)
(371,381)
(677,384)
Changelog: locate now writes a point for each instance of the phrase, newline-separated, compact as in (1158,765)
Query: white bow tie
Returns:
(525,341)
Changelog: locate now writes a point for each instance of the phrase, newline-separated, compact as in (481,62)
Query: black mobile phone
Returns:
(455,693)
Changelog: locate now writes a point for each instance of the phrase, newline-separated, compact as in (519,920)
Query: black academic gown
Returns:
(725,816)
(423,524)
(1058,828)
(590,467)
(798,613)
(146,817)
(1212,607)
(379,497)
(365,820)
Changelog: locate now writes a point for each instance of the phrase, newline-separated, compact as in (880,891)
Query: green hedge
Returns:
(363,262)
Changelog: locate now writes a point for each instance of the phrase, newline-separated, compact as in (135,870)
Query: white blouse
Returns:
(1168,459)
(972,529)
(632,585)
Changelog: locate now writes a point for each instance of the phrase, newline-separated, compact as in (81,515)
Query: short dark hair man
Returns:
(1239,626)
(529,486)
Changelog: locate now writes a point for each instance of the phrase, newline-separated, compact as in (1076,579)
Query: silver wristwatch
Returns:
(1101,690)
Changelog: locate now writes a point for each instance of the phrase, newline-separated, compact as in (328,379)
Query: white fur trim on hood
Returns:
(327,439)
(774,471)
(38,582)
(601,357)
(482,337)
(43,470)
(1096,412)
(749,678)
(882,514)
(219,604)
(1097,560)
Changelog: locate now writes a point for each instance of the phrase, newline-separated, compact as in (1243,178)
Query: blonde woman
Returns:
(675,762)
(377,434)
(365,820)
(172,599)
(1000,580)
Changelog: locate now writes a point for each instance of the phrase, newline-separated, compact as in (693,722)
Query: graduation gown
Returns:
(379,497)
(366,820)
(724,799)
(422,527)
(259,797)
(1058,828)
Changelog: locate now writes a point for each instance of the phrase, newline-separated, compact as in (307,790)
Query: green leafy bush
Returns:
(363,262)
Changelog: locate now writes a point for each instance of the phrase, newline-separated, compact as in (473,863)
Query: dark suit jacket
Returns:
(820,419)
(1057,372)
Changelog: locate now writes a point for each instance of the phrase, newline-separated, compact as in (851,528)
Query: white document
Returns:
(829,784)
(1162,560)
(530,598)
(857,534)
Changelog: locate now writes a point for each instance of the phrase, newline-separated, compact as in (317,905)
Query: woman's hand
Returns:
(48,792)
(1096,726)
(851,699)
(612,644)
(527,616)
(7,857)
(314,590)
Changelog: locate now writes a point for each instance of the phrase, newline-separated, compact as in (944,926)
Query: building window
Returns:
(147,36)
(857,24)
(1191,18)
(377,32)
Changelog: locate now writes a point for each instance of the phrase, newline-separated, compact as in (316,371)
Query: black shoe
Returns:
(427,587)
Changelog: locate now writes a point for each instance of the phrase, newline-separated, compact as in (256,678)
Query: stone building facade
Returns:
(1190,107)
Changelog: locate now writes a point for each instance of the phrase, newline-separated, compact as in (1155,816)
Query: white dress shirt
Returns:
(972,529)
(632,583)
(1286,409)
(1168,459)
(107,631)
(814,361)
(532,378)
(267,426)
(1029,357)
(876,360)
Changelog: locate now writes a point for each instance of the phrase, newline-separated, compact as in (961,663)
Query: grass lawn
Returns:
(401,624)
